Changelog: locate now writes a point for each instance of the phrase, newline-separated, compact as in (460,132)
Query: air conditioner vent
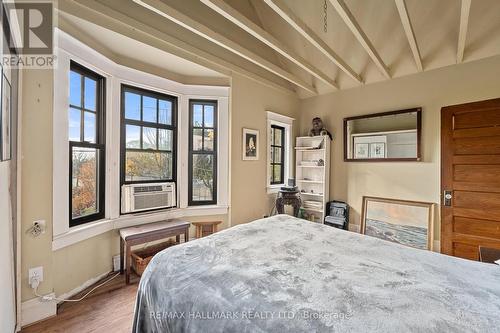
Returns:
(141,189)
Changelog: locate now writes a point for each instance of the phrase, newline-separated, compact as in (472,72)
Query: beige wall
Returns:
(430,90)
(249,103)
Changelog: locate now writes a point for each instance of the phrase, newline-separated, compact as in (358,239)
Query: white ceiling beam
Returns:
(355,28)
(410,35)
(198,28)
(256,31)
(102,15)
(462,34)
(295,22)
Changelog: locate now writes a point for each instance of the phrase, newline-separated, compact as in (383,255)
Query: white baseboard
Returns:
(84,286)
(437,246)
(36,310)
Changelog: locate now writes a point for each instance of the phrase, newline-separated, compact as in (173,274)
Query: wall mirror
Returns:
(387,136)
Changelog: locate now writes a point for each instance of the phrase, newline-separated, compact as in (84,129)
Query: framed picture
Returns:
(361,150)
(377,150)
(250,144)
(5,120)
(410,223)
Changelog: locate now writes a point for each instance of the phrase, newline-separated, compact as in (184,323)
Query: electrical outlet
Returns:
(34,274)
(42,224)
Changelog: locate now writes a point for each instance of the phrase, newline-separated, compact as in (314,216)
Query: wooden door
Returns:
(470,169)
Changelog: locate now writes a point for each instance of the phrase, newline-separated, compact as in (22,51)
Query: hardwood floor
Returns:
(108,309)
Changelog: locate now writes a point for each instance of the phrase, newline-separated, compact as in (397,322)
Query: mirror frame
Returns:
(381,114)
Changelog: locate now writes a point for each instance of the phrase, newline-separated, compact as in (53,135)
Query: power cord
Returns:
(35,282)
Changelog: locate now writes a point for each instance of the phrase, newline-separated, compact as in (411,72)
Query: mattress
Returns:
(283,274)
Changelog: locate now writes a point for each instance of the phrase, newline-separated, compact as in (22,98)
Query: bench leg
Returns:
(186,236)
(178,239)
(128,262)
(122,245)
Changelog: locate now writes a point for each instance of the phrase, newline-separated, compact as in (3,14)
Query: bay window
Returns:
(86,133)
(202,188)
(148,132)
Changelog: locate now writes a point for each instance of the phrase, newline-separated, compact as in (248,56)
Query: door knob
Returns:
(448,195)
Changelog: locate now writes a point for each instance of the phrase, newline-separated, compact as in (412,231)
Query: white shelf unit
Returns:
(310,176)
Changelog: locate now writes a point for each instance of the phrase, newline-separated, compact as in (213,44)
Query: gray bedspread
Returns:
(282,274)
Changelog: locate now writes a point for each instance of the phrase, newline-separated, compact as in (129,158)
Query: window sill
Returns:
(273,189)
(80,233)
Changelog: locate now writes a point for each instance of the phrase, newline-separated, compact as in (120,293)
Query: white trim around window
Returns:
(69,49)
(274,118)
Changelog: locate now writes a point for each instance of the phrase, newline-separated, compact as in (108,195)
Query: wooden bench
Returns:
(145,233)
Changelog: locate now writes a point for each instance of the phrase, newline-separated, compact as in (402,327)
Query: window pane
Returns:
(277,155)
(89,127)
(165,139)
(277,174)
(75,89)
(197,139)
(132,106)
(84,182)
(209,116)
(148,138)
(278,136)
(74,120)
(149,109)
(90,93)
(141,166)
(165,112)
(197,115)
(209,140)
(203,179)
(133,136)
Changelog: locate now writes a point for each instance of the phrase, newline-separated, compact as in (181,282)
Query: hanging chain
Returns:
(325,17)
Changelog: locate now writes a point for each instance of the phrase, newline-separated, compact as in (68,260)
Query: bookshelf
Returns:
(312,178)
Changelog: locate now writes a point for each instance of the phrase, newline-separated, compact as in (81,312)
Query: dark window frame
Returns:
(273,157)
(99,145)
(124,122)
(192,152)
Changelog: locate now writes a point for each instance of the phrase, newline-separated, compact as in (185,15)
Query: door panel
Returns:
(476,146)
(478,118)
(476,227)
(470,169)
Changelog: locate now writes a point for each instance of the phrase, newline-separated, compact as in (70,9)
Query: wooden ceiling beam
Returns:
(256,31)
(355,28)
(410,35)
(295,22)
(202,30)
(462,34)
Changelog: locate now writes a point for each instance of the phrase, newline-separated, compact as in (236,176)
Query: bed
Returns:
(283,274)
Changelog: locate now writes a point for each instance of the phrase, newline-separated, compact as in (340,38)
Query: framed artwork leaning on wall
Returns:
(409,223)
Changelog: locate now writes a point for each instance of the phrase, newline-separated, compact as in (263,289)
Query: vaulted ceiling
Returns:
(308,46)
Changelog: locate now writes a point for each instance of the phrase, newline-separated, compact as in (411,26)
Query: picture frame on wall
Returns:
(250,144)
(377,150)
(5,119)
(409,223)
(361,150)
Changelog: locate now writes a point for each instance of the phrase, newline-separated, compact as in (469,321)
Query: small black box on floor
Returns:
(337,214)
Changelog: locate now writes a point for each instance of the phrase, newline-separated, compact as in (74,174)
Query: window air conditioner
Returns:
(140,197)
